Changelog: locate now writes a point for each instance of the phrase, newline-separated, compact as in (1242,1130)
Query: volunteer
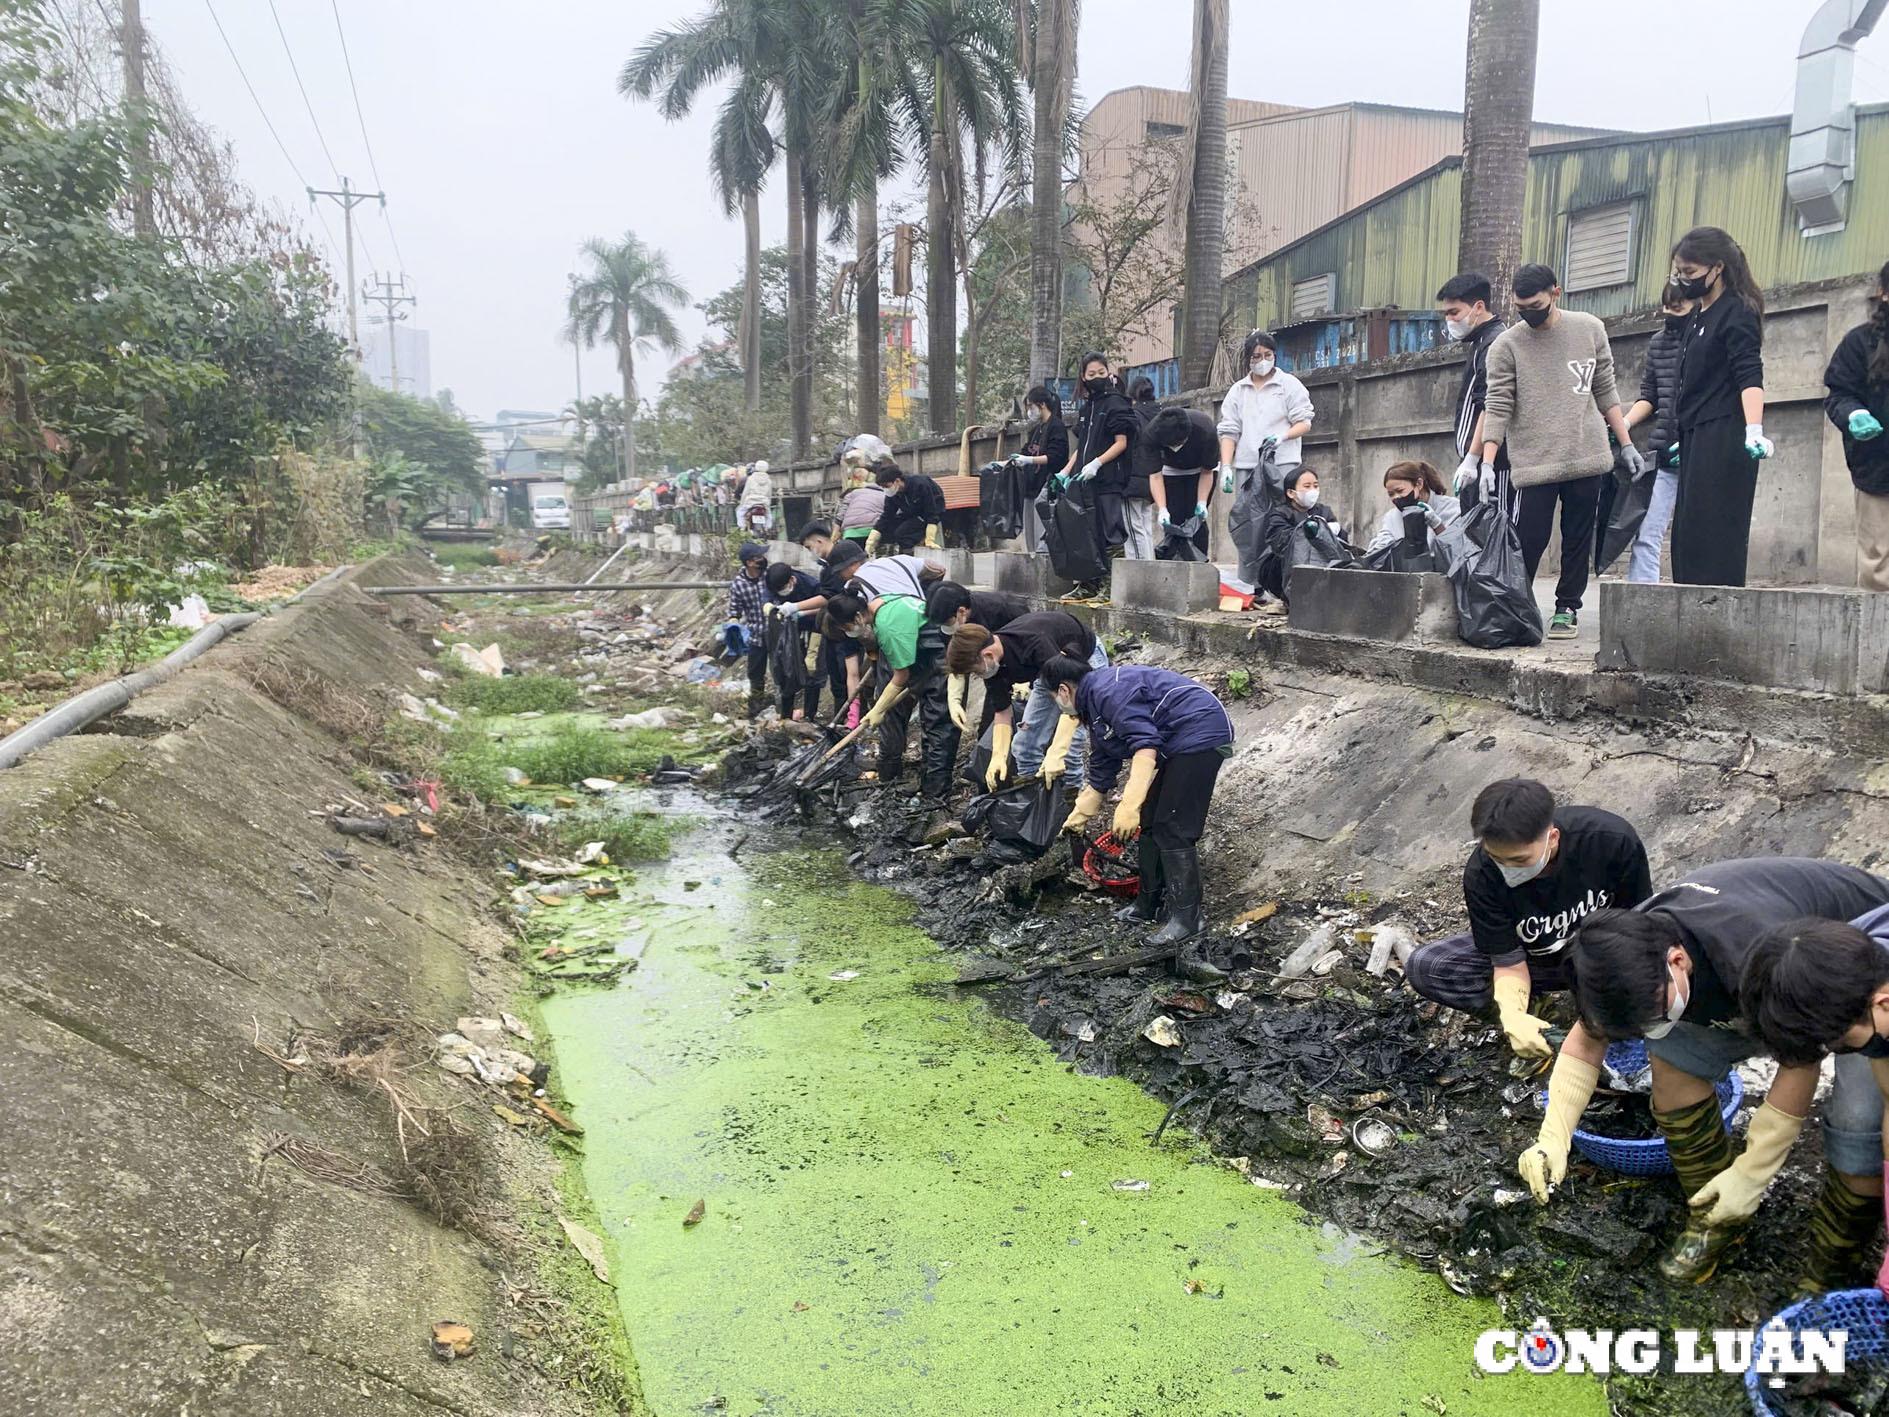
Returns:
(1173,734)
(1809,989)
(1536,871)
(746,596)
(909,674)
(1858,403)
(1719,410)
(1187,443)
(841,661)
(1299,513)
(1670,972)
(1420,507)
(1659,391)
(1267,411)
(1045,451)
(949,604)
(787,591)
(1470,320)
(1144,467)
(1552,401)
(1008,659)
(914,511)
(1098,458)
(754,513)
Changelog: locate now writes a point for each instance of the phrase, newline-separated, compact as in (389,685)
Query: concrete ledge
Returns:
(983,569)
(957,563)
(1026,575)
(1825,641)
(1393,606)
(1177,587)
(794,554)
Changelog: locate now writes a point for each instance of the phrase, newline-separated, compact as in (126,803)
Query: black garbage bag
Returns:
(1495,604)
(1246,520)
(1317,543)
(979,762)
(1027,816)
(787,653)
(1622,516)
(1001,494)
(1184,541)
(1075,551)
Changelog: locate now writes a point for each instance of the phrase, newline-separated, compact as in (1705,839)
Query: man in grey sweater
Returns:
(1552,399)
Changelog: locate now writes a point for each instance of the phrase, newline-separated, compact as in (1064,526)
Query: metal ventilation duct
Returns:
(1823,123)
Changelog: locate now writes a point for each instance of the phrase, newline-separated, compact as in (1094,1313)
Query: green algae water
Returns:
(912,1207)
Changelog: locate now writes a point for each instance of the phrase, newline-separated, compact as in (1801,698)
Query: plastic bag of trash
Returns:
(1000,498)
(1495,604)
(786,654)
(1621,525)
(1185,541)
(1075,551)
(193,614)
(1027,816)
(703,670)
(1262,487)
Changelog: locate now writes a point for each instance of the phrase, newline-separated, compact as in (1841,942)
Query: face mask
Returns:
(1693,287)
(1039,415)
(1680,1000)
(985,669)
(1676,323)
(1097,387)
(1260,368)
(1513,876)
(1534,318)
(1067,710)
(855,632)
(1306,498)
(1457,328)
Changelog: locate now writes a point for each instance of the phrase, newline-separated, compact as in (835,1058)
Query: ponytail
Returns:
(1711,246)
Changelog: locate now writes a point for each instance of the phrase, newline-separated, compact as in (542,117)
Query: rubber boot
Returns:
(1700,1149)
(1145,908)
(1842,1225)
(1180,873)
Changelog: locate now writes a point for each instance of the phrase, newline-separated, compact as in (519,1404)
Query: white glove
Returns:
(1165,519)
(1631,459)
(1466,472)
(1756,444)
(1487,477)
(1089,470)
(1018,462)
(1226,478)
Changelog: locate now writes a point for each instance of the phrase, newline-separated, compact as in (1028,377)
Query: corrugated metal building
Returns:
(1604,212)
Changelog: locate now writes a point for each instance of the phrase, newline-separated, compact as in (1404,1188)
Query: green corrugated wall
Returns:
(1398,250)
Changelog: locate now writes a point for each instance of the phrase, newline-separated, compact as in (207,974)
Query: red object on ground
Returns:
(1102,863)
(429,789)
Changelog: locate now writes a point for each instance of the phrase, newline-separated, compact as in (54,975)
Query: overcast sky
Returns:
(503,144)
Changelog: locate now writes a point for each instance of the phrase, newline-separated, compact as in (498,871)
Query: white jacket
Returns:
(1253,412)
(1444,509)
(758,490)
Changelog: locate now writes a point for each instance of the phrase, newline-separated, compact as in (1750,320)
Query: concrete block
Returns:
(1824,641)
(1390,606)
(692,543)
(1026,575)
(1176,587)
(794,554)
(957,563)
(984,569)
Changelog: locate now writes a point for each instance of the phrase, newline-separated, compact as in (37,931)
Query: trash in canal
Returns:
(451,1339)
(696,1212)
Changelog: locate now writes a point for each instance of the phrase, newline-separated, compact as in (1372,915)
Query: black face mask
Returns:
(1098,387)
(1693,287)
(1532,317)
(1676,323)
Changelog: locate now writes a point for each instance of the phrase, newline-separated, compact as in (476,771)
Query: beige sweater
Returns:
(1549,390)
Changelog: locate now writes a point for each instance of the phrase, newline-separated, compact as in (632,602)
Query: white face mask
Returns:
(985,669)
(1680,999)
(1306,497)
(1513,876)
(1260,368)
(1068,709)
(1457,328)
(1039,415)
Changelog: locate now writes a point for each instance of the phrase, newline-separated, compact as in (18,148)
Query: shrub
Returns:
(513,693)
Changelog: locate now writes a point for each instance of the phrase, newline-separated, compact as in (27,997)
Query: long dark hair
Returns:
(1710,246)
(1879,322)
(1045,397)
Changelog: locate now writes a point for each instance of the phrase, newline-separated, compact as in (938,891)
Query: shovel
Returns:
(809,777)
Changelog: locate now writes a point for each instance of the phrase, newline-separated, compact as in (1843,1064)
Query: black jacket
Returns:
(919,500)
(1723,355)
(1103,418)
(1474,391)
(1284,520)
(1659,386)
(1144,459)
(1851,388)
(1047,440)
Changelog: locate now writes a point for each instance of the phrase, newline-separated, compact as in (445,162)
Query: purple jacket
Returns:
(1134,706)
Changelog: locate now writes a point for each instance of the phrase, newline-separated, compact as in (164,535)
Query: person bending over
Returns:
(909,673)
(1420,508)
(1008,659)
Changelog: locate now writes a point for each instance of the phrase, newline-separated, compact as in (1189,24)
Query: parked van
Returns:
(550,512)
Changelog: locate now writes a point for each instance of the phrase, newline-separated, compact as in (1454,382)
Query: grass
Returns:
(512,693)
(629,836)
(464,556)
(567,753)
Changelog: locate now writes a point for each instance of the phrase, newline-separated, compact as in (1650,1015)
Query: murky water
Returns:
(911,1207)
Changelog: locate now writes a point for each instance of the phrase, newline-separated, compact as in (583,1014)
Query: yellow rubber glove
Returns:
(813,653)
(872,543)
(999,769)
(876,714)
(1732,1196)
(1570,1085)
(934,537)
(1523,1028)
(955,692)
(1056,760)
(1127,824)
(1088,803)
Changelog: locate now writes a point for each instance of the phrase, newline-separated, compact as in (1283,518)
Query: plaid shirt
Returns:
(744,603)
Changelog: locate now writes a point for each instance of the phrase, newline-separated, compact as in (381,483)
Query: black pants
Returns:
(1175,813)
(906,536)
(925,693)
(809,694)
(833,658)
(1455,973)
(757,665)
(1579,501)
(1111,523)
(1718,481)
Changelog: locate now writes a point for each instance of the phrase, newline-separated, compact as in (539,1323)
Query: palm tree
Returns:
(624,296)
(1049,52)
(1498,113)
(1202,184)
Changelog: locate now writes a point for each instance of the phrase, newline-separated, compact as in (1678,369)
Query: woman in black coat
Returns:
(1719,410)
(1045,451)
(1858,403)
(1298,513)
(1099,457)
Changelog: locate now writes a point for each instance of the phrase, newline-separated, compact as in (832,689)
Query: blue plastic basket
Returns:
(1645,1156)
(1864,1313)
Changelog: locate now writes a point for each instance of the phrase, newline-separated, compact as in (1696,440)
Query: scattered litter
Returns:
(659,717)
(1313,947)
(509,1117)
(1325,1126)
(515,778)
(591,852)
(589,1245)
(1328,962)
(843,975)
(1128,1185)
(488,661)
(563,801)
(556,1118)
(192,614)
(598,785)
(1201,1287)
(451,1339)
(1389,940)
(1373,1135)
(1247,919)
(696,1212)
(1338,1162)
(431,676)
(1162,1032)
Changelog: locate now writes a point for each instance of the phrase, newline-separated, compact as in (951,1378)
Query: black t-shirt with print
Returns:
(1601,864)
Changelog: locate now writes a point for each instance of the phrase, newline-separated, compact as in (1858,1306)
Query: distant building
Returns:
(902,367)
(413,349)
(1292,169)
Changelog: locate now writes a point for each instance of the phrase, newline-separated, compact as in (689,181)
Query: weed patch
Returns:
(627,836)
(568,753)
(464,556)
(513,693)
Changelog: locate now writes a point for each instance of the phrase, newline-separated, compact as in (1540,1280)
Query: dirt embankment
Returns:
(224,1140)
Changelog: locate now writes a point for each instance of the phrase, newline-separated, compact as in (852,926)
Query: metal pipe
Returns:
(92,705)
(559,589)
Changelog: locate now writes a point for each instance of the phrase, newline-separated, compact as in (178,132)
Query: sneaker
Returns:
(1563,626)
(1695,1255)
(1079,594)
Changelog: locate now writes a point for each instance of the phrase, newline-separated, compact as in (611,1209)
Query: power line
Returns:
(295,69)
(366,141)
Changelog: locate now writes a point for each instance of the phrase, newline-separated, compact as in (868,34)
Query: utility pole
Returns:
(131,44)
(348,199)
(390,295)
